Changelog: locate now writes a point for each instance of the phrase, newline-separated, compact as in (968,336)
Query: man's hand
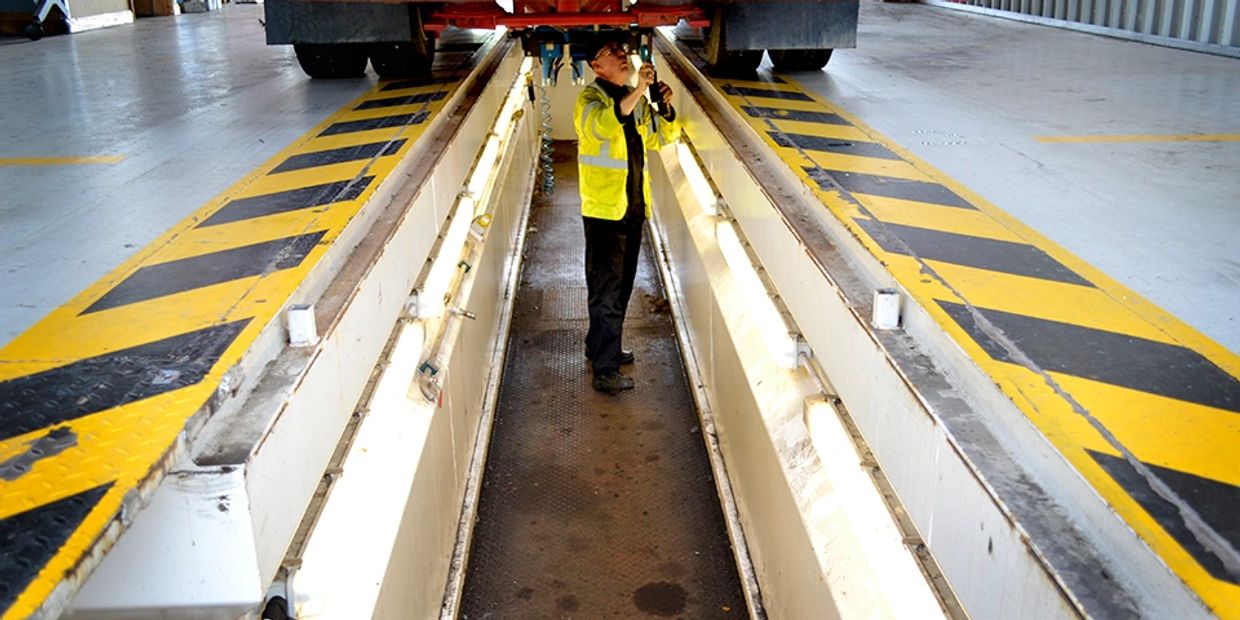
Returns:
(665,93)
(645,77)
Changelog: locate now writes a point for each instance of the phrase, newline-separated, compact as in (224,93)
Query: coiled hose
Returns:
(546,156)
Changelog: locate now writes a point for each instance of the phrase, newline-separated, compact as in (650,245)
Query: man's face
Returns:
(612,63)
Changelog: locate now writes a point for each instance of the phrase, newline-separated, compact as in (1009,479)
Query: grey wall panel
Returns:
(1202,25)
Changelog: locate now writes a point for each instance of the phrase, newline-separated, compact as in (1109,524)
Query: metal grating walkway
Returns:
(594,506)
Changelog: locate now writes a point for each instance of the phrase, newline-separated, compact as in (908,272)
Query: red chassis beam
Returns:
(488,15)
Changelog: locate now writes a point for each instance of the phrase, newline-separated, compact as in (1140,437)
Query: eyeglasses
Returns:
(613,49)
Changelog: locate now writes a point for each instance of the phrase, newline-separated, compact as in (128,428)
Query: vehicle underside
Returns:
(336,39)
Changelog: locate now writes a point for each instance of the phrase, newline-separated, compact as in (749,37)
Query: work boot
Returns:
(612,382)
(626,357)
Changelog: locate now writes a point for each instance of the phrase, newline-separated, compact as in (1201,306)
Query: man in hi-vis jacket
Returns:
(615,126)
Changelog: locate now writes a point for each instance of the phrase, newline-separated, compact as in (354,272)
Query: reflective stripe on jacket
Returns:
(602,156)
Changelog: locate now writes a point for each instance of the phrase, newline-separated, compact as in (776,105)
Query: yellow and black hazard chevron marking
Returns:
(93,397)
(1079,353)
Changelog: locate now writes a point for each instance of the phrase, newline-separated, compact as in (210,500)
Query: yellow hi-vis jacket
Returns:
(603,156)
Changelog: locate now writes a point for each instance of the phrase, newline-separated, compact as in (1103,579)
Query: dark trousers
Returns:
(611,265)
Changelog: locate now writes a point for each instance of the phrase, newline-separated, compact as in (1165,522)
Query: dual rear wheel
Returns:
(401,60)
(800,60)
(332,60)
(726,61)
(348,60)
(412,58)
(743,62)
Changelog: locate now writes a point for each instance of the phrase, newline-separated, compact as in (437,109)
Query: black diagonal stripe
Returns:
(291,200)
(29,540)
(769,93)
(388,102)
(383,122)
(832,145)
(888,187)
(1217,503)
(825,118)
(1117,359)
(339,156)
(424,81)
(993,255)
(187,274)
(95,384)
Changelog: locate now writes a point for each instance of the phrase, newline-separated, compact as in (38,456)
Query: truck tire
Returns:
(276,609)
(331,60)
(724,61)
(412,58)
(800,60)
(34,31)
(401,60)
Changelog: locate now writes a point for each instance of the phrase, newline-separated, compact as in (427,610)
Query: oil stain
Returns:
(661,598)
(567,603)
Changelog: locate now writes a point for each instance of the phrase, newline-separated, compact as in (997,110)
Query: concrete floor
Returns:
(192,103)
(969,94)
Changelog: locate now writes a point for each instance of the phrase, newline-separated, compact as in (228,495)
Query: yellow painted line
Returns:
(210,239)
(61,161)
(354,138)
(783,104)
(379,93)
(372,113)
(782,86)
(149,321)
(1159,430)
(129,444)
(926,215)
(866,165)
(843,206)
(343,170)
(846,133)
(1043,299)
(1131,415)
(1186,137)
(295,179)
(324,143)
